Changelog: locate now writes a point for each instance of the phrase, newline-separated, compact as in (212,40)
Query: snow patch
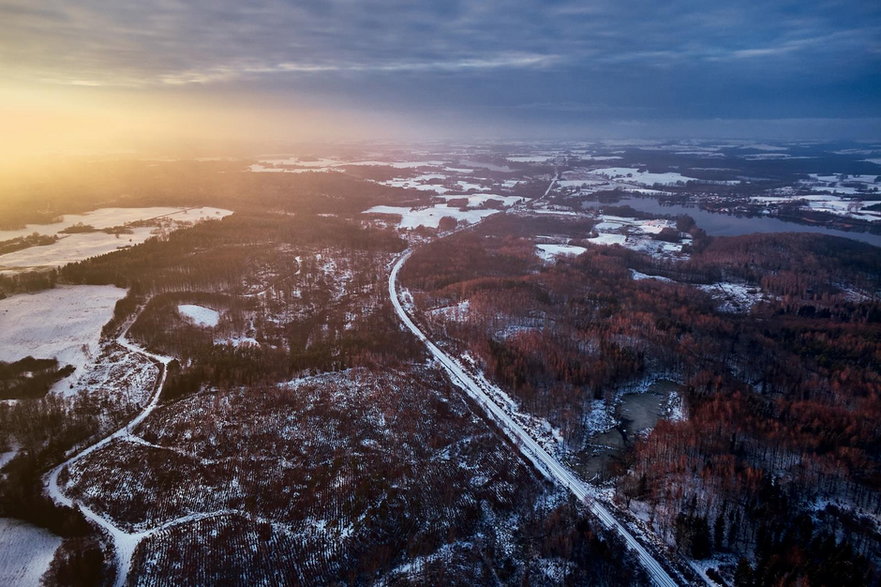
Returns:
(550,252)
(430,217)
(199,315)
(637,276)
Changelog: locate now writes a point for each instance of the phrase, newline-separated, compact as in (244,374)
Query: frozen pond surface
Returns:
(637,413)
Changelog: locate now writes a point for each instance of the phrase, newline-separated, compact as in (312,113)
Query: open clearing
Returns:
(25,552)
(62,323)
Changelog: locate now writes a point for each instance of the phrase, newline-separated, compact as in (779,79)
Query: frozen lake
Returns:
(730,225)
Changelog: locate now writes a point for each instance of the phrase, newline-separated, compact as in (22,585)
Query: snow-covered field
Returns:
(78,246)
(637,235)
(25,553)
(430,216)
(843,183)
(62,323)
(298,165)
(551,252)
(477,200)
(643,177)
(840,202)
(637,276)
(199,315)
(840,207)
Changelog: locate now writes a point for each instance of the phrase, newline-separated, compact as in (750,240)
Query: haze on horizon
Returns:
(89,76)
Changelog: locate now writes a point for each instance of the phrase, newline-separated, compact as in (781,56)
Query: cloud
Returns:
(752,58)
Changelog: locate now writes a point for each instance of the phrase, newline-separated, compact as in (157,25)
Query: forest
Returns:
(375,440)
(782,401)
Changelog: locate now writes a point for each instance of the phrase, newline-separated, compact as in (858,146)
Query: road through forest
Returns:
(529,448)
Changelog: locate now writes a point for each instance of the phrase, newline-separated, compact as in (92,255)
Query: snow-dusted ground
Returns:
(457,312)
(78,246)
(430,216)
(238,341)
(199,315)
(62,323)
(734,298)
(25,553)
(110,217)
(840,207)
(127,377)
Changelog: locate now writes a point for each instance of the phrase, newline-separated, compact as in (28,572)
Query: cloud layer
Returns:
(507,62)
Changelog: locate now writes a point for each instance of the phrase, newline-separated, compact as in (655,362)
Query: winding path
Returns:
(527,446)
(124,543)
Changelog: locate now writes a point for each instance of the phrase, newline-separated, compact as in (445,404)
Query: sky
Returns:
(123,74)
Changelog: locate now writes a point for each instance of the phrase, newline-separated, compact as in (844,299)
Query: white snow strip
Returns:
(549,253)
(637,276)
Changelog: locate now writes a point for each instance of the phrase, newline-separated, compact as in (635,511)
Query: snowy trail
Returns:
(124,543)
(537,455)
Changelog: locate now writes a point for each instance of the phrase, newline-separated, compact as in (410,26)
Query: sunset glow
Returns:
(85,77)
